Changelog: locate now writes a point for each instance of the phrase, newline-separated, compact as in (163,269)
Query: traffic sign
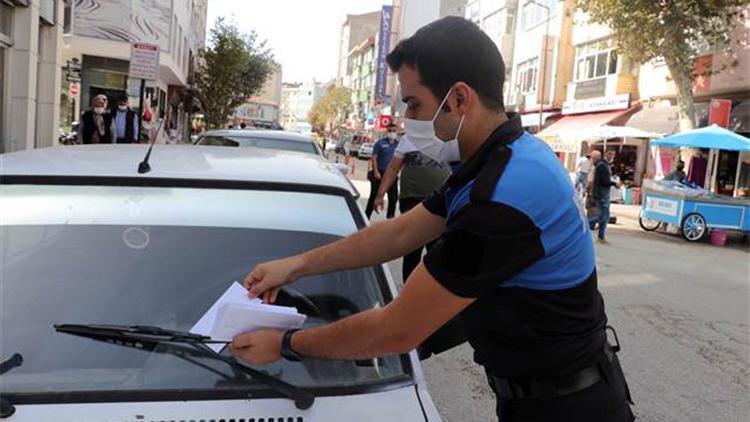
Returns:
(144,61)
(73,71)
(74,89)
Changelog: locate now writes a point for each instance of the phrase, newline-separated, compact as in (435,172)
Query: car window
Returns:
(160,256)
(240,141)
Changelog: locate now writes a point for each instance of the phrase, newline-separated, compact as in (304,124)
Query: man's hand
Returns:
(259,347)
(266,279)
(379,203)
(377,175)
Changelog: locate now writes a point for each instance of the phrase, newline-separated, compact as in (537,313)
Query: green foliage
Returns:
(232,69)
(333,106)
(674,30)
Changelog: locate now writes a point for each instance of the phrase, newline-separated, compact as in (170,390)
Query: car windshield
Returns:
(247,141)
(161,256)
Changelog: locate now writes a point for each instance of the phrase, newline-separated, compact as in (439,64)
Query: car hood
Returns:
(401,404)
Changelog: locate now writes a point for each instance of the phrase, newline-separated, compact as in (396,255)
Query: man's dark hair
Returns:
(122,99)
(453,50)
(391,126)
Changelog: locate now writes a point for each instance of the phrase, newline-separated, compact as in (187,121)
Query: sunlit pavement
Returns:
(681,311)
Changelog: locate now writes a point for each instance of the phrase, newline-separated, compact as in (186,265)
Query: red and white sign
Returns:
(718,112)
(383,121)
(74,89)
(144,61)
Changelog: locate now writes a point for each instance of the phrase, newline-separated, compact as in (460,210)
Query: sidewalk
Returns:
(625,211)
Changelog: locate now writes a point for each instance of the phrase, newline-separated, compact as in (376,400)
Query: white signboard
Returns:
(144,61)
(662,206)
(616,102)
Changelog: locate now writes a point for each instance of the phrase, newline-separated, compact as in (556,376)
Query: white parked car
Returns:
(365,150)
(88,240)
(266,139)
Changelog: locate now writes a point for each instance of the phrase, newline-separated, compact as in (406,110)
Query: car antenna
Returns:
(143,166)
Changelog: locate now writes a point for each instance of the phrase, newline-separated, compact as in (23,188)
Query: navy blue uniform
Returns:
(518,241)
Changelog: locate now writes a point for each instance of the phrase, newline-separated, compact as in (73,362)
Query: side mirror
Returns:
(343,168)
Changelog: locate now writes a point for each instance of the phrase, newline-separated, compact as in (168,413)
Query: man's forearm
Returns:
(389,178)
(374,162)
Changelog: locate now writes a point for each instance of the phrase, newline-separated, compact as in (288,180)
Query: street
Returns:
(681,313)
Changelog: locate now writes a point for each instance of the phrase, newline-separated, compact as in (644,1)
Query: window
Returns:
(2,97)
(595,60)
(6,13)
(528,73)
(533,14)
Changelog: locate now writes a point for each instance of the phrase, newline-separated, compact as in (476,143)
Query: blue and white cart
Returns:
(695,212)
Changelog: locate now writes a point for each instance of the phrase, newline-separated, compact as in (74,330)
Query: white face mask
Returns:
(391,136)
(99,110)
(421,134)
(122,107)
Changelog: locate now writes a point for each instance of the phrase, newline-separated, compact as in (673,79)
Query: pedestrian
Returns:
(679,174)
(583,167)
(126,122)
(420,177)
(514,258)
(243,125)
(601,192)
(382,154)
(97,124)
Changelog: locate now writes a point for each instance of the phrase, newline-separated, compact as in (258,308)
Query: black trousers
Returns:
(605,401)
(392,196)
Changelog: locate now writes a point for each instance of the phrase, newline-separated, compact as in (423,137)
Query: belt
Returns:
(556,387)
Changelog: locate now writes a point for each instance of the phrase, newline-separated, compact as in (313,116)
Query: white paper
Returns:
(240,314)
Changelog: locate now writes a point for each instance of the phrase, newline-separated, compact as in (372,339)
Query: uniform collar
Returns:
(504,134)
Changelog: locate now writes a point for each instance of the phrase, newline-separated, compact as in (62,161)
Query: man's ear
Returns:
(463,97)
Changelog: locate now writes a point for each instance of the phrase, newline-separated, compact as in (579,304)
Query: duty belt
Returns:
(602,368)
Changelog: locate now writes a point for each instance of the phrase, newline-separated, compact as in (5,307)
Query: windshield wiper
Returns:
(150,338)
(6,408)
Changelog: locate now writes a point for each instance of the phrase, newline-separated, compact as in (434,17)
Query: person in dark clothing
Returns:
(126,122)
(679,174)
(97,125)
(513,260)
(382,154)
(600,191)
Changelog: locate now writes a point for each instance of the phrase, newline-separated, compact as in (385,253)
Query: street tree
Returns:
(230,70)
(333,106)
(672,30)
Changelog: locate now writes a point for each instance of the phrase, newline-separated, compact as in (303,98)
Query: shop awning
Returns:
(564,134)
(532,119)
(658,119)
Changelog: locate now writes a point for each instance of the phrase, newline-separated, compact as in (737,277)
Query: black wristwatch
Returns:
(286,347)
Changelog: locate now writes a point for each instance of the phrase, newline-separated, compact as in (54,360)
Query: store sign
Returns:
(616,102)
(383,122)
(144,61)
(718,112)
(590,89)
(557,145)
(384,47)
(662,206)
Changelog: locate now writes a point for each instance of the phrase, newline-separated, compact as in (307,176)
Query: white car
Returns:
(365,150)
(266,139)
(88,240)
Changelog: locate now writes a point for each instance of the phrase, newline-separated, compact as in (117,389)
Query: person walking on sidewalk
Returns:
(97,125)
(600,191)
(126,122)
(420,177)
(382,154)
(583,167)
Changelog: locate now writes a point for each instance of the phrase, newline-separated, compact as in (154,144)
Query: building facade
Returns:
(98,36)
(297,99)
(30,57)
(355,30)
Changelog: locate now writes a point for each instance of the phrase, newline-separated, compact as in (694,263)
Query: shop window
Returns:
(532,14)
(595,60)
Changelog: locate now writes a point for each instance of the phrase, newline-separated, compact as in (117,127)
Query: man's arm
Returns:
(382,242)
(374,162)
(397,328)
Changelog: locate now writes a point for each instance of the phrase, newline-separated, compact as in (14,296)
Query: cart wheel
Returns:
(693,227)
(648,224)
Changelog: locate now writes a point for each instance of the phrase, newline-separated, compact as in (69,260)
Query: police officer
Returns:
(514,259)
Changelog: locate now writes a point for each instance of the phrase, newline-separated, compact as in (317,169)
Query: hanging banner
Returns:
(384,47)
(718,112)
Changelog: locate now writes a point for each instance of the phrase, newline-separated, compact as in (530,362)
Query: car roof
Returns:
(186,162)
(261,134)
